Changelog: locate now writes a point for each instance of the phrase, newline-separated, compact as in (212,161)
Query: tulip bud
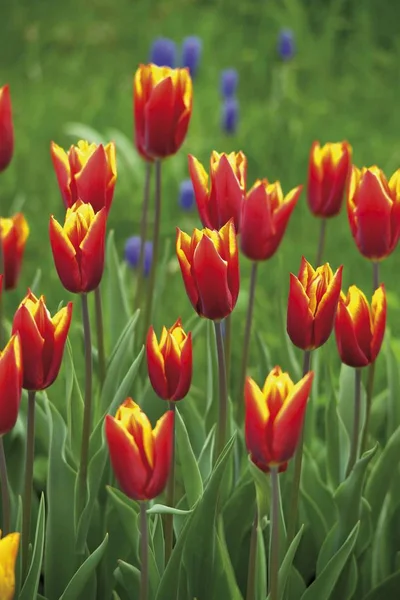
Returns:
(210,269)
(230,116)
(274,418)
(286,46)
(140,456)
(359,327)
(6,128)
(229,83)
(132,253)
(163,52)
(191,54)
(14,232)
(42,340)
(186,195)
(312,304)
(169,362)
(10,384)
(9,545)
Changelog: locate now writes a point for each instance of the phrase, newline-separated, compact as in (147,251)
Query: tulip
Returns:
(373,208)
(360,327)
(162,108)
(78,247)
(210,269)
(87,172)
(163,52)
(286,46)
(140,456)
(10,384)
(42,340)
(230,116)
(14,232)
(274,418)
(229,82)
(8,556)
(191,53)
(6,128)
(312,304)
(328,177)
(170,362)
(266,213)
(132,253)
(222,198)
(186,194)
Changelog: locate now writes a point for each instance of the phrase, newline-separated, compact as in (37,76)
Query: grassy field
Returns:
(70,63)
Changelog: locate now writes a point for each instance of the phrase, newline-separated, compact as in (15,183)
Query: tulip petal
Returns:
(6,128)
(63,173)
(326,310)
(163,448)
(280,219)
(199,179)
(256,419)
(184,255)
(10,384)
(378,309)
(159,112)
(349,350)
(257,226)
(61,323)
(300,320)
(64,257)
(93,250)
(228,193)
(186,362)
(32,347)
(91,181)
(155,365)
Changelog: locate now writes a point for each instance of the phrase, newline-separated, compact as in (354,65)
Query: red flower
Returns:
(14,233)
(10,384)
(140,457)
(6,128)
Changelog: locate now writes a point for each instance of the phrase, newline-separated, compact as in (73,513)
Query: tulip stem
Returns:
(252,569)
(3,285)
(370,387)
(100,336)
(274,537)
(29,458)
(144,552)
(298,460)
(156,244)
(223,390)
(87,410)
(228,345)
(375,275)
(356,422)
(169,518)
(143,234)
(5,490)
(321,243)
(247,332)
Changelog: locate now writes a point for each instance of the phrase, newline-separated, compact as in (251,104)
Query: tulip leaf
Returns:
(83,132)
(128,511)
(117,303)
(325,582)
(286,566)
(346,399)
(225,585)
(393,377)
(74,405)
(190,471)
(206,455)
(295,586)
(30,587)
(157,538)
(162,509)
(85,573)
(242,501)
(337,444)
(387,589)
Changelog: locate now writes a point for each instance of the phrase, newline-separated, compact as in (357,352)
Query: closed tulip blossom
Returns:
(266,213)
(14,233)
(162,99)
(6,128)
(78,247)
(42,338)
(312,304)
(360,326)
(210,269)
(219,195)
(274,418)
(329,170)
(140,456)
(373,208)
(10,384)
(169,362)
(87,172)
(9,545)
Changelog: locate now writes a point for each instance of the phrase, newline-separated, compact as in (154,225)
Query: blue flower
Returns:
(163,52)
(286,46)
(229,82)
(191,52)
(132,253)
(230,115)
(186,194)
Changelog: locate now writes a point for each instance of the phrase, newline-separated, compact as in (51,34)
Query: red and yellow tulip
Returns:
(10,384)
(140,456)
(87,172)
(220,196)
(329,171)
(169,362)
(312,304)
(42,340)
(6,128)
(274,418)
(162,102)
(14,232)
(373,208)
(210,269)
(9,545)
(79,246)
(265,215)
(360,327)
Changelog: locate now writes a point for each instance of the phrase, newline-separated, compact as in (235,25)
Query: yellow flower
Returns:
(8,555)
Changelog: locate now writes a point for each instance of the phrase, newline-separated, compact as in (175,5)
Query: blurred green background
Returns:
(71,63)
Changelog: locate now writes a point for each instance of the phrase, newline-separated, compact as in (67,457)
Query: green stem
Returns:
(370,387)
(156,245)
(247,333)
(144,552)
(274,538)
(375,275)
(87,410)
(321,243)
(356,422)
(298,460)
(143,234)
(30,454)
(223,391)
(100,336)
(228,345)
(5,490)
(1,294)
(252,568)
(169,518)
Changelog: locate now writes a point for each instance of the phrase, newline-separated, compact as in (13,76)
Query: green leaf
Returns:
(206,455)
(241,502)
(285,568)
(387,590)
(157,537)
(162,509)
(30,587)
(74,404)
(337,443)
(190,471)
(323,585)
(393,408)
(225,585)
(85,573)
(129,577)
(128,512)
(346,399)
